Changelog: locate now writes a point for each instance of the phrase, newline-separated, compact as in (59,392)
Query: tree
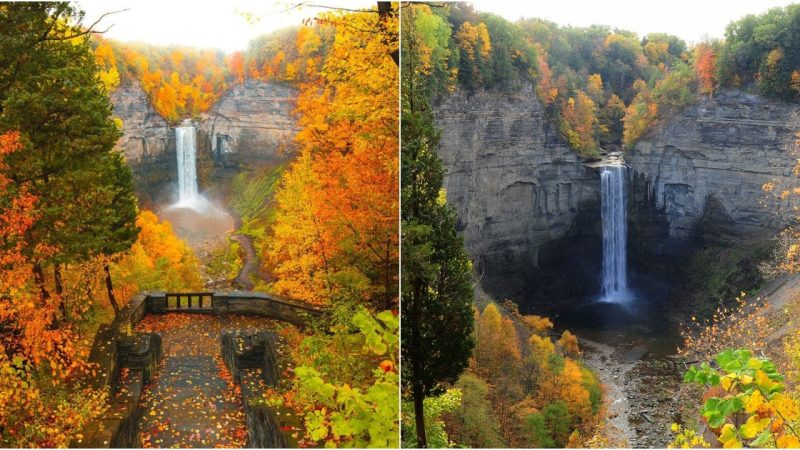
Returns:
(550,428)
(473,422)
(57,103)
(705,62)
(337,205)
(436,288)
(496,345)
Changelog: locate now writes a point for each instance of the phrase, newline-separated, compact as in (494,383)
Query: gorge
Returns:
(535,221)
(251,125)
(530,209)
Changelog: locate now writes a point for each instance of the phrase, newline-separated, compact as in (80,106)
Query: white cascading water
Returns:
(187,166)
(612,189)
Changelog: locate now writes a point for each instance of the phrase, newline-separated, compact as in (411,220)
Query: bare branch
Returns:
(89,30)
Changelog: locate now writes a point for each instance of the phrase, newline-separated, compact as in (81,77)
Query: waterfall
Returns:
(612,189)
(187,166)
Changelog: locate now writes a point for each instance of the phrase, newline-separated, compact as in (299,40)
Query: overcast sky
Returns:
(688,19)
(201,23)
(220,23)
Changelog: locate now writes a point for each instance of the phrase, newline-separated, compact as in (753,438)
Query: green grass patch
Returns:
(252,195)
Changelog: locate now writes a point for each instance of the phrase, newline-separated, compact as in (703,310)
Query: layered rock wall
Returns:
(529,207)
(525,202)
(252,124)
(697,180)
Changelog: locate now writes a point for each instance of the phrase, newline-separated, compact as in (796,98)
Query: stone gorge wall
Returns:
(529,208)
(145,142)
(697,180)
(525,202)
(251,124)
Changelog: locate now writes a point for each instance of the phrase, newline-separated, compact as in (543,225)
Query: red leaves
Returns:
(387,366)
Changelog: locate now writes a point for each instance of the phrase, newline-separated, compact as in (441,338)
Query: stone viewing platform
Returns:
(187,369)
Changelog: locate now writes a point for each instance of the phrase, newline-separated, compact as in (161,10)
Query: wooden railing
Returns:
(190,301)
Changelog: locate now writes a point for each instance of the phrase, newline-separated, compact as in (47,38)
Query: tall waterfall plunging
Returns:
(613,204)
(187,166)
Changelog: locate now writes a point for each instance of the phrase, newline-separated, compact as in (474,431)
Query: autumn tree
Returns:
(705,61)
(64,116)
(436,284)
(29,344)
(579,123)
(338,202)
(639,115)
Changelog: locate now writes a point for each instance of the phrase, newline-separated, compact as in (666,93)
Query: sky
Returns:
(688,19)
(201,23)
(222,24)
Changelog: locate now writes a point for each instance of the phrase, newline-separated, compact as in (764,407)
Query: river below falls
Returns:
(631,346)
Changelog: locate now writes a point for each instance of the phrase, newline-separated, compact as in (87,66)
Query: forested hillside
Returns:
(75,247)
(605,87)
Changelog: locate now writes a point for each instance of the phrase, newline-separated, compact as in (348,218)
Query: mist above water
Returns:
(194,217)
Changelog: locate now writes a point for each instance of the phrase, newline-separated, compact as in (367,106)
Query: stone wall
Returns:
(246,303)
(252,361)
(115,348)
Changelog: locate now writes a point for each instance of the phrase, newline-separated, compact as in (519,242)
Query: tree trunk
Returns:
(110,289)
(419,417)
(384,12)
(62,305)
(38,276)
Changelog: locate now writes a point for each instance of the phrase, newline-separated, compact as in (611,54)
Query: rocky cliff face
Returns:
(250,125)
(697,180)
(528,207)
(144,142)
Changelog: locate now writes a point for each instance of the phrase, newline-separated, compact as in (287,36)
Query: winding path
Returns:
(252,264)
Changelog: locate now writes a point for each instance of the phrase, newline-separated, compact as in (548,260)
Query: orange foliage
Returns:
(180,82)
(158,260)
(30,342)
(569,342)
(705,67)
(336,224)
(568,385)
(579,122)
(545,88)
(236,66)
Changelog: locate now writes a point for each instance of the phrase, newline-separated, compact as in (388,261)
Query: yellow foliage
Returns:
(569,342)
(541,325)
(158,260)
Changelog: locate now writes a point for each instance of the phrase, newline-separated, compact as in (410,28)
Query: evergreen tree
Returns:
(51,94)
(436,289)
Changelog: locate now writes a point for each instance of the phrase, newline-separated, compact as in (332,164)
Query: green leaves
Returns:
(353,410)
(716,410)
(753,389)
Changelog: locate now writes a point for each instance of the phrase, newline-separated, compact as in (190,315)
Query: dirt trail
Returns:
(252,264)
